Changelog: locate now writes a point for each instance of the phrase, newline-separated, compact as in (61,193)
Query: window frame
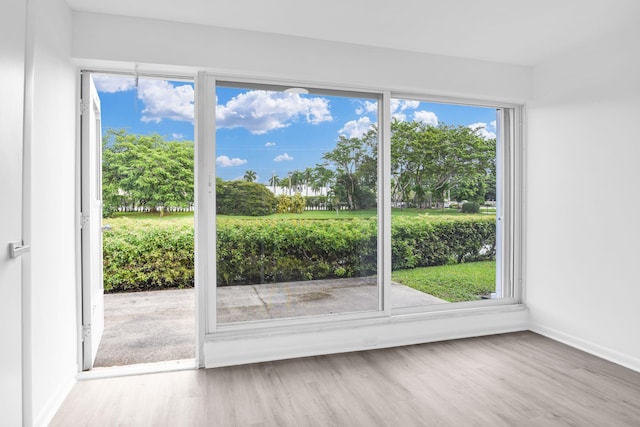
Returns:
(511,185)
(208,138)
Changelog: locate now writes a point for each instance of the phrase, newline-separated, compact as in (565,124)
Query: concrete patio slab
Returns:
(146,327)
(311,298)
(156,326)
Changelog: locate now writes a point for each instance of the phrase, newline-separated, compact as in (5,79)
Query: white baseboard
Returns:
(222,350)
(590,347)
(46,414)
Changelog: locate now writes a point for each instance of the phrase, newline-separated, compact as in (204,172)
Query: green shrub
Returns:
(244,198)
(470,207)
(109,210)
(298,203)
(284,204)
(291,204)
(140,255)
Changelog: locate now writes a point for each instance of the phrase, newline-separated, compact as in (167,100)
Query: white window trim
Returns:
(212,340)
(512,270)
(512,189)
(208,140)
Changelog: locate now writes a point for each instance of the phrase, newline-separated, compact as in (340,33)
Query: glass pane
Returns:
(443,195)
(296,196)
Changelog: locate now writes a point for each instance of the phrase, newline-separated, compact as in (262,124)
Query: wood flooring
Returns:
(518,379)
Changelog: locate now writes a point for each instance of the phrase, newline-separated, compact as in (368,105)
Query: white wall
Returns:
(268,55)
(53,330)
(583,204)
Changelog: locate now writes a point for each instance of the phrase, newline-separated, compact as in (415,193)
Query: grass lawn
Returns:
(155,216)
(453,283)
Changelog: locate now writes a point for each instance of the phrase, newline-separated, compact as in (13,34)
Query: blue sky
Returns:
(267,132)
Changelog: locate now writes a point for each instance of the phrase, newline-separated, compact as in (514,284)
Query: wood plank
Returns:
(503,380)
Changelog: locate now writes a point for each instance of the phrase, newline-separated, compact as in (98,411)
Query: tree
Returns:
(322,177)
(307,177)
(283,183)
(297,180)
(250,176)
(355,162)
(429,160)
(403,161)
(147,171)
(457,154)
(274,181)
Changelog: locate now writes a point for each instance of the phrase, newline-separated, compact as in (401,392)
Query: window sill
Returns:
(234,347)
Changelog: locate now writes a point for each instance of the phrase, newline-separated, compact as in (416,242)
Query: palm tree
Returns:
(273,181)
(283,183)
(323,177)
(307,176)
(250,176)
(297,179)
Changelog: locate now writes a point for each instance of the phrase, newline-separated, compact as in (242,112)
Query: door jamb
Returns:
(199,289)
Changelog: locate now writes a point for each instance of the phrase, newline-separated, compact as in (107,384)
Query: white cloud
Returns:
(225,161)
(481,129)
(163,100)
(270,144)
(113,84)
(492,125)
(177,135)
(260,111)
(398,106)
(282,157)
(425,117)
(403,104)
(367,107)
(401,117)
(356,128)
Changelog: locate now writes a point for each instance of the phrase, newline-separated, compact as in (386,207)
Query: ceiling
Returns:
(508,31)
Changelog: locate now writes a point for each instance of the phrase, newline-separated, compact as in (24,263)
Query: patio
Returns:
(155,326)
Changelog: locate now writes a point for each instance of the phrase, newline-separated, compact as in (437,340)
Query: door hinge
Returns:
(84,221)
(86,332)
(84,107)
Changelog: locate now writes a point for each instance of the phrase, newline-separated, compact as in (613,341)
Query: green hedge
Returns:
(149,255)
(277,250)
(142,255)
(424,243)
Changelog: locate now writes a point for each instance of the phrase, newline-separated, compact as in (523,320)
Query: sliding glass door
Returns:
(327,204)
(296,206)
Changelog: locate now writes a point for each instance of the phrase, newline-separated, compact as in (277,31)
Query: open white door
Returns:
(91,194)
